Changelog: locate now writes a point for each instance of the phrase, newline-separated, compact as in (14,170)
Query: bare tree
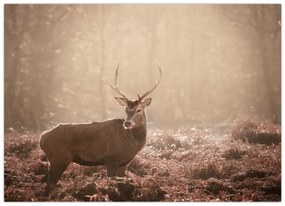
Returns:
(102,63)
(265,21)
(29,62)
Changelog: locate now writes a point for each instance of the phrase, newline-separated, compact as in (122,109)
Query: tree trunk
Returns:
(102,63)
(12,68)
(266,58)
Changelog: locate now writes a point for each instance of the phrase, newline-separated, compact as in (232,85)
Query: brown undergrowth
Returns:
(186,164)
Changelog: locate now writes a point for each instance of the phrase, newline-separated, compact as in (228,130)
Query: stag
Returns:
(113,143)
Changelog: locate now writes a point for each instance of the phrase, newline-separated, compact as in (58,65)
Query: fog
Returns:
(220,62)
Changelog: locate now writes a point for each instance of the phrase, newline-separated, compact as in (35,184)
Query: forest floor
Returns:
(187,164)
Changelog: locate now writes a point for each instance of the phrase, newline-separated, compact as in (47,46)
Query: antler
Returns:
(155,85)
(116,80)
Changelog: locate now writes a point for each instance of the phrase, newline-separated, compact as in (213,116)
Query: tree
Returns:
(30,50)
(265,21)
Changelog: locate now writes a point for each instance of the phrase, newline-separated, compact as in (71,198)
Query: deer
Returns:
(112,143)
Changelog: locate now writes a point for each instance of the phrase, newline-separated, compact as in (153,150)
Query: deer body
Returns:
(98,143)
(113,143)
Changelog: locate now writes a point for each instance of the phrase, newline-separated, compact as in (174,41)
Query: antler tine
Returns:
(155,85)
(116,81)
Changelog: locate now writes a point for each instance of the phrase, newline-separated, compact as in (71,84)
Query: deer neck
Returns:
(140,131)
(139,134)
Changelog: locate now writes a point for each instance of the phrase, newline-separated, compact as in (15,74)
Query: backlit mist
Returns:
(219,62)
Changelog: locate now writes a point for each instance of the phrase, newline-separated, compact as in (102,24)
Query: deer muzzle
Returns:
(129,124)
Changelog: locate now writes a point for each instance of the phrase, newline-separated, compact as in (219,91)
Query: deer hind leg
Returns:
(55,171)
(118,171)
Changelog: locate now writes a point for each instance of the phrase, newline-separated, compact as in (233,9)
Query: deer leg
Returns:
(54,173)
(45,178)
(110,171)
(118,171)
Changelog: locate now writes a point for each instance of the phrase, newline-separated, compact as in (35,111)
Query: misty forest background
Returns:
(220,62)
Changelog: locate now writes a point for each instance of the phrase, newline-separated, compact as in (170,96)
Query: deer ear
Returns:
(122,101)
(147,102)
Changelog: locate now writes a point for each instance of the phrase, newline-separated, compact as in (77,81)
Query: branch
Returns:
(247,22)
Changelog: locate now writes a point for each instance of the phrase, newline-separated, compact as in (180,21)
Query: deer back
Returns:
(95,142)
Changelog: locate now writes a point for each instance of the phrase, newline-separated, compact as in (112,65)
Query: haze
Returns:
(219,62)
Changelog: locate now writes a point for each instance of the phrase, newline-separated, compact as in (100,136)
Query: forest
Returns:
(214,125)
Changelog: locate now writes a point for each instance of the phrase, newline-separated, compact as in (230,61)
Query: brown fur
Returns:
(98,143)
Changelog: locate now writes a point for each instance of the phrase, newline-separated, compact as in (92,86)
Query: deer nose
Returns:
(127,123)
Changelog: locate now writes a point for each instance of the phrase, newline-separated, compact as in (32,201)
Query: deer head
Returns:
(135,109)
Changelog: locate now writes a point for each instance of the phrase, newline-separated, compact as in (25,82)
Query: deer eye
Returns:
(139,110)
